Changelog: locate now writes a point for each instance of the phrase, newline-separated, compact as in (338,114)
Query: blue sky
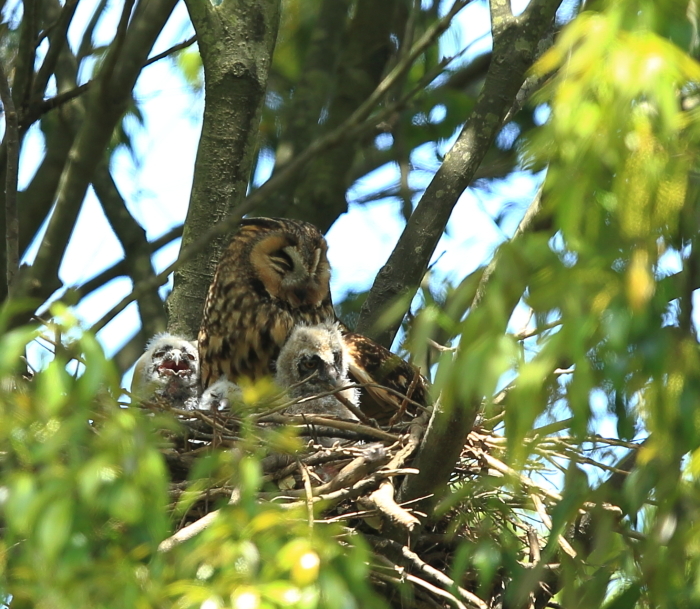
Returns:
(156,180)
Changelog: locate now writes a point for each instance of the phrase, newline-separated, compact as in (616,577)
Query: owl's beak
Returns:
(329,375)
(175,364)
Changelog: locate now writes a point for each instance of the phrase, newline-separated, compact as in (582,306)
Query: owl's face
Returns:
(312,361)
(175,359)
(290,260)
(169,363)
(314,355)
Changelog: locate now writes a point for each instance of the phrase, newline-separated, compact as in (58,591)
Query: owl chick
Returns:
(273,275)
(314,360)
(168,372)
(220,395)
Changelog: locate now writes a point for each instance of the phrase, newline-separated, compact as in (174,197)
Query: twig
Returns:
(350,406)
(173,49)
(383,500)
(357,489)
(409,558)
(547,521)
(309,493)
(118,43)
(383,497)
(522,478)
(534,543)
(404,403)
(437,591)
(188,532)
(12,168)
(371,432)
(439,347)
(62,98)
(352,473)
(119,268)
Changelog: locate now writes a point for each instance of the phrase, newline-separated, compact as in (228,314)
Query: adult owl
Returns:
(392,386)
(314,360)
(273,275)
(167,373)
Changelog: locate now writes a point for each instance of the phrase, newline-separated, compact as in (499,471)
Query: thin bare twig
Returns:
(309,492)
(173,49)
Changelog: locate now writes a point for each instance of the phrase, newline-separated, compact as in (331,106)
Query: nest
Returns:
(354,468)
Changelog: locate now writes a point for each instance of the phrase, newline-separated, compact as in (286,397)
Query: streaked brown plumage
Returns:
(379,370)
(273,275)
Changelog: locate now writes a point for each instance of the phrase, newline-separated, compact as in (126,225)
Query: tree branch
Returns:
(515,46)
(236,39)
(137,250)
(57,38)
(104,109)
(448,429)
(85,47)
(11,141)
(119,269)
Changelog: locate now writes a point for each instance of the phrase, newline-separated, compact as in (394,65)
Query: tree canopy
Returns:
(557,463)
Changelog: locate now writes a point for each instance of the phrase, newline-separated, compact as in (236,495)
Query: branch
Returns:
(235,70)
(11,141)
(447,431)
(358,122)
(515,46)
(406,557)
(26,53)
(104,109)
(137,250)
(39,109)
(57,37)
(85,47)
(117,44)
(130,352)
(119,269)
(173,49)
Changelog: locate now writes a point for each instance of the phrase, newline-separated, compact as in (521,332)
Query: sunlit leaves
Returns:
(84,505)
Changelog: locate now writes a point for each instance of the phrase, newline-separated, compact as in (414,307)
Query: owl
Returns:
(315,360)
(168,372)
(220,395)
(273,275)
(388,380)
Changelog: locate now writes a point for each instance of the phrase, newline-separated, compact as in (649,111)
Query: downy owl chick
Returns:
(168,373)
(220,395)
(273,275)
(314,360)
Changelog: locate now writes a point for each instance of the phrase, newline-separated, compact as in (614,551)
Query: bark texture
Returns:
(236,40)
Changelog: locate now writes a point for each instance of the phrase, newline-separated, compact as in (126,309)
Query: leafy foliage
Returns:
(539,506)
(85,506)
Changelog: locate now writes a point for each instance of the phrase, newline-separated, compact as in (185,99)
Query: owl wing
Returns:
(382,371)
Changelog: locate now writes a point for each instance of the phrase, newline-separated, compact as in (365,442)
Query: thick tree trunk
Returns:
(236,40)
(318,194)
